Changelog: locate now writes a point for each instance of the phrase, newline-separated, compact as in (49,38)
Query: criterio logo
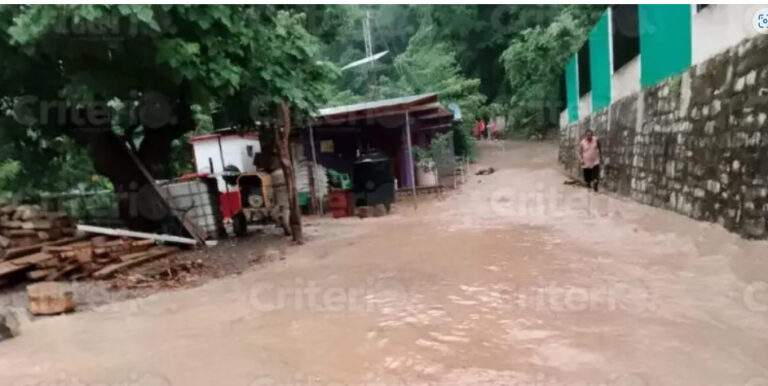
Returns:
(760,21)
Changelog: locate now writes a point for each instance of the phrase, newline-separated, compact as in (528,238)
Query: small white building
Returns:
(224,148)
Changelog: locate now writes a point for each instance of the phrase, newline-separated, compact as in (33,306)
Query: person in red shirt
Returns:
(590,157)
(479,129)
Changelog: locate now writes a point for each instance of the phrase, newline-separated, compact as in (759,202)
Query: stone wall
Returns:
(696,143)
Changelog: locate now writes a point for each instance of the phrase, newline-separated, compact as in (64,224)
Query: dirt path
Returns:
(515,280)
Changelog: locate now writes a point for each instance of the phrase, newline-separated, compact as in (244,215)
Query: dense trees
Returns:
(513,53)
(81,85)
(534,64)
(117,78)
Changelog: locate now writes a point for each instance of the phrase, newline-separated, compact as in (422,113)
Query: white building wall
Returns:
(233,150)
(564,118)
(720,26)
(626,80)
(585,105)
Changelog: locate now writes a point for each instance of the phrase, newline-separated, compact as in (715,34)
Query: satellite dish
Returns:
(365,60)
(456,111)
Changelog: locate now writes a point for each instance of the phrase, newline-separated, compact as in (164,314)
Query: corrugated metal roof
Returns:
(414,99)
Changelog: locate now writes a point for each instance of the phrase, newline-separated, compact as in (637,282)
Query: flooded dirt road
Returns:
(517,279)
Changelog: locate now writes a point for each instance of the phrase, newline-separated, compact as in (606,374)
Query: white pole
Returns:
(314,164)
(410,156)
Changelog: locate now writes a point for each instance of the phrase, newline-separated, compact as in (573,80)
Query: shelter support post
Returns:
(410,156)
(315,201)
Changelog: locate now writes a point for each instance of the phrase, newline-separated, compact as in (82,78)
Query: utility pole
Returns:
(367,34)
(372,92)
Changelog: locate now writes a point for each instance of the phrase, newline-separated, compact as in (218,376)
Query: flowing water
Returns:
(517,279)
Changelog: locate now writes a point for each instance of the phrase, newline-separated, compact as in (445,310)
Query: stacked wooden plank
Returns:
(84,257)
(26,228)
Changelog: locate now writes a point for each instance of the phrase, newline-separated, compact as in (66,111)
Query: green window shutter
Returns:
(572,88)
(665,41)
(600,63)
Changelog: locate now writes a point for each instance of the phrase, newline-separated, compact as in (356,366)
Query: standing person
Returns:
(479,129)
(493,128)
(590,157)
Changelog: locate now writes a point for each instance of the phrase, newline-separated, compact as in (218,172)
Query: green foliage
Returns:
(463,141)
(242,58)
(436,154)
(439,148)
(8,171)
(534,63)
(480,33)
(429,65)
(240,61)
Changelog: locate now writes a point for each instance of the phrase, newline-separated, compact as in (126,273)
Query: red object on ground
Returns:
(229,203)
(340,202)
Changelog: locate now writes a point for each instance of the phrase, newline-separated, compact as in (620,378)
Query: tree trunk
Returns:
(140,207)
(282,142)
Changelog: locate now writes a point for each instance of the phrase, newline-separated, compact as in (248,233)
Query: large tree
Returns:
(534,63)
(109,75)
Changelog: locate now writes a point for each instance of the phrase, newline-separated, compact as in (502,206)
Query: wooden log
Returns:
(50,298)
(34,258)
(21,251)
(21,232)
(82,255)
(8,209)
(20,264)
(60,273)
(26,212)
(99,241)
(40,274)
(4,242)
(125,247)
(13,224)
(56,249)
(151,254)
(50,263)
(38,224)
(132,256)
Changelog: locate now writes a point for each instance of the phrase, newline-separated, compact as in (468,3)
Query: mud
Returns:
(517,279)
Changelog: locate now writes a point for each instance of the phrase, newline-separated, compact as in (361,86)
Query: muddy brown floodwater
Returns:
(516,279)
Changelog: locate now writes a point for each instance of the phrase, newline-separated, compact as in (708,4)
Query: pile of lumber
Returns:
(26,228)
(84,257)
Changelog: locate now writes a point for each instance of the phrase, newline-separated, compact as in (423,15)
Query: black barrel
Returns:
(372,180)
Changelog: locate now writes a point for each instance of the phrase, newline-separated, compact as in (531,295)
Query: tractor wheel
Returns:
(240,224)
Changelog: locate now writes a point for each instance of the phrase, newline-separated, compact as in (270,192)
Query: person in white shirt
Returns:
(590,157)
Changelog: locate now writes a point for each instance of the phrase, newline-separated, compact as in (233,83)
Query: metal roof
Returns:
(374,106)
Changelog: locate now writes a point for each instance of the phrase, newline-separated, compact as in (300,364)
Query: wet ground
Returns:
(517,279)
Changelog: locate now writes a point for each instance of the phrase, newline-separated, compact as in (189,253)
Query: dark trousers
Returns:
(592,176)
